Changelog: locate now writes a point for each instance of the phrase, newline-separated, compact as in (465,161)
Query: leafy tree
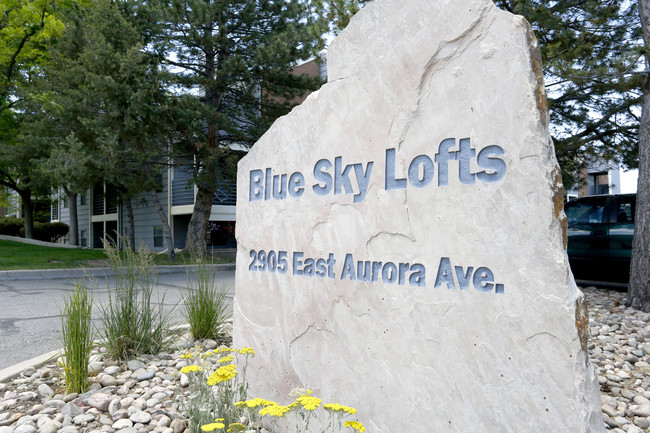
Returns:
(26,29)
(639,287)
(26,26)
(232,61)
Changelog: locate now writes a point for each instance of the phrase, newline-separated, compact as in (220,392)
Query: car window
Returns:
(625,211)
(583,211)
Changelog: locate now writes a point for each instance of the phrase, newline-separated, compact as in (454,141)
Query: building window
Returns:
(83,199)
(83,238)
(65,202)
(54,211)
(157,236)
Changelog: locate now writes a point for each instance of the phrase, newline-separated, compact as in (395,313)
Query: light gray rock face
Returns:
(410,261)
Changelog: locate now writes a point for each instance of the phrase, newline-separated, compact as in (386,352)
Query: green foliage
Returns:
(206,307)
(231,65)
(338,12)
(591,51)
(77,334)
(11,226)
(47,232)
(132,324)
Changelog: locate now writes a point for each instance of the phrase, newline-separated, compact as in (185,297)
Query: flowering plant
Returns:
(218,398)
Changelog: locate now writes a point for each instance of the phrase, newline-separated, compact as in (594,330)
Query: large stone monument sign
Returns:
(401,235)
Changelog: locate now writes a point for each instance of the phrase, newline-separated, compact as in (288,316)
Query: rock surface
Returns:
(402,248)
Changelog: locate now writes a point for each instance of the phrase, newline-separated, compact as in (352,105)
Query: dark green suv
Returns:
(600,234)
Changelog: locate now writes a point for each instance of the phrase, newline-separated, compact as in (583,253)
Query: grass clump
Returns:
(206,307)
(132,323)
(77,333)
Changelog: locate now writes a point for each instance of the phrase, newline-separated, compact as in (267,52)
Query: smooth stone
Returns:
(83,419)
(95,367)
(641,400)
(68,398)
(119,414)
(48,427)
(177,425)
(25,428)
(122,424)
(6,429)
(135,364)
(108,380)
(100,401)
(68,429)
(112,370)
(141,417)
(104,420)
(114,406)
(129,430)
(640,410)
(45,391)
(146,375)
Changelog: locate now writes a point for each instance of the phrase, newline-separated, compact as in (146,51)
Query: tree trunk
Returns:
(171,254)
(130,222)
(28,212)
(639,286)
(196,230)
(74,220)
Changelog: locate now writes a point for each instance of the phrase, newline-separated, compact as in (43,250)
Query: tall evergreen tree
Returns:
(106,100)
(639,287)
(232,60)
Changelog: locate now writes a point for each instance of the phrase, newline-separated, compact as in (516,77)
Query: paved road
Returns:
(30,319)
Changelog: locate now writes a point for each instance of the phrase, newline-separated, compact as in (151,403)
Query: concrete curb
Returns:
(14,371)
(77,273)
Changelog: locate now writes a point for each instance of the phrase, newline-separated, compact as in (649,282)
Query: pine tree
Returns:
(232,61)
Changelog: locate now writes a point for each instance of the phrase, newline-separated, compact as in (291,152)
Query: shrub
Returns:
(48,232)
(132,325)
(11,226)
(206,308)
(77,334)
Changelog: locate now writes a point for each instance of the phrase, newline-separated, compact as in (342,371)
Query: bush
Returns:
(131,324)
(11,226)
(76,331)
(206,308)
(48,232)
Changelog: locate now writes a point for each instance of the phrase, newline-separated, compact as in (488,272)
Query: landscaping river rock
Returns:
(147,394)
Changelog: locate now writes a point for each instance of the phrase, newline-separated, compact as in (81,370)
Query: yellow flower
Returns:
(274,410)
(189,368)
(247,351)
(234,427)
(228,358)
(356,425)
(212,426)
(223,349)
(186,356)
(335,407)
(255,402)
(222,374)
(308,402)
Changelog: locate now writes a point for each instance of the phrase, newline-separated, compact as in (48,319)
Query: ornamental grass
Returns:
(205,305)
(132,324)
(77,334)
